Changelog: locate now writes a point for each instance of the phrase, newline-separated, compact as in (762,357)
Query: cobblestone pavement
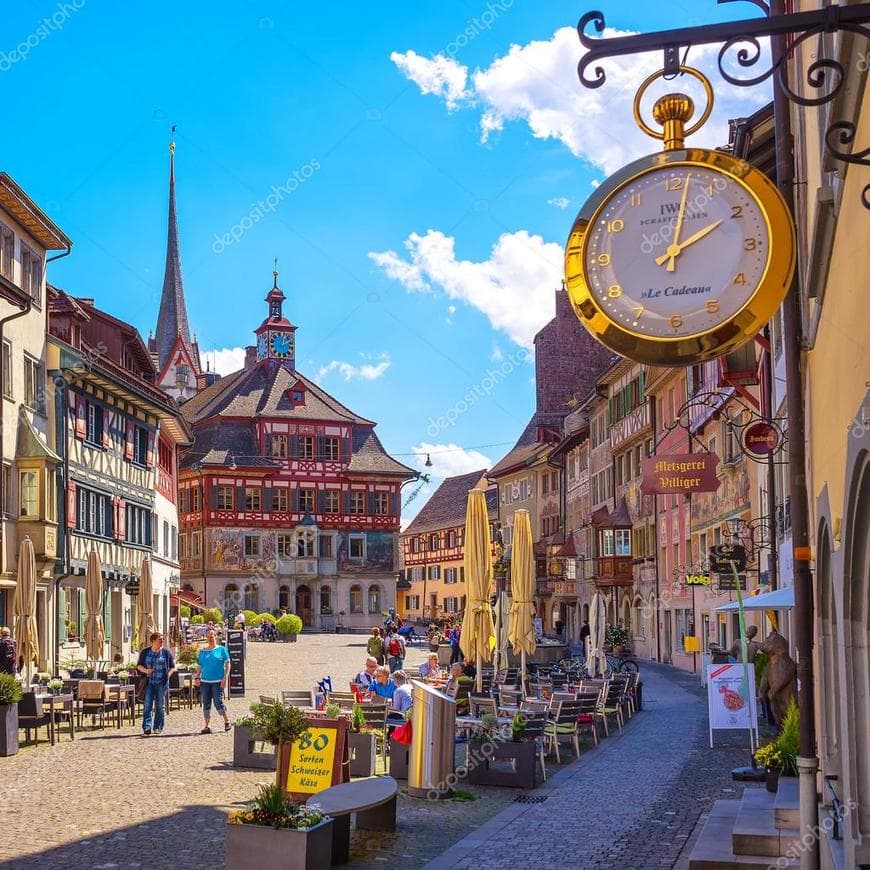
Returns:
(112,799)
(633,802)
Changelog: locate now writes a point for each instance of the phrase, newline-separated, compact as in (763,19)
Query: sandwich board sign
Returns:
(731,702)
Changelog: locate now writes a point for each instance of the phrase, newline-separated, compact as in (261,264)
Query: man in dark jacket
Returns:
(157,663)
(7,652)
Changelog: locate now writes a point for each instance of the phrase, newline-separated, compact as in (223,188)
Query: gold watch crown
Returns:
(673,111)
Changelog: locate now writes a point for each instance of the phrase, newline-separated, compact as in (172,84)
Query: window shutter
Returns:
(320,448)
(321,500)
(294,446)
(345,502)
(345,450)
(149,456)
(121,530)
(104,425)
(372,503)
(294,500)
(397,507)
(109,513)
(240,498)
(268,498)
(129,441)
(71,504)
(212,496)
(81,412)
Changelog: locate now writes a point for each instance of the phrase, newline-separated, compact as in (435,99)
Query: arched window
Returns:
(626,613)
(252,597)
(356,598)
(283,597)
(325,599)
(585,613)
(231,598)
(374,598)
(637,623)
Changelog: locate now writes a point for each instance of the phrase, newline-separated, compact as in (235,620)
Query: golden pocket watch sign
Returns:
(681,256)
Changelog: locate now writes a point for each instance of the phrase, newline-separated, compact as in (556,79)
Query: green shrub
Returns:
(199,619)
(788,739)
(184,611)
(212,614)
(249,615)
(10,689)
(188,654)
(266,617)
(253,621)
(289,623)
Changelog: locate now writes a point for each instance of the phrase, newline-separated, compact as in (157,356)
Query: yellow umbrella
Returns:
(95,638)
(24,608)
(521,631)
(478,633)
(144,604)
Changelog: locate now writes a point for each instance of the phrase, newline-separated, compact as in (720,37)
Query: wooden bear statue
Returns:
(778,683)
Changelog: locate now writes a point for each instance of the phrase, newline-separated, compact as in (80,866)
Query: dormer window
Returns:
(296,397)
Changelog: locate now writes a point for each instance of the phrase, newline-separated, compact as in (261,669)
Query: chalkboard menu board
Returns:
(236,648)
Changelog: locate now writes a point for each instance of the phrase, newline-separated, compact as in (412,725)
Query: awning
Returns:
(189,599)
(778,599)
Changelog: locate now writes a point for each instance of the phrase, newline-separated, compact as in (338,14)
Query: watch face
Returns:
(676,251)
(281,344)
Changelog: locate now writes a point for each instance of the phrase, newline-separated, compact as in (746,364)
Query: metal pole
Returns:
(808,763)
(773,557)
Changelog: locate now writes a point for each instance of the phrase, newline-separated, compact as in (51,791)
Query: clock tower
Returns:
(276,336)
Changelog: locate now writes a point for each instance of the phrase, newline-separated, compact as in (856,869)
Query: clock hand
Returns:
(700,234)
(674,246)
(674,250)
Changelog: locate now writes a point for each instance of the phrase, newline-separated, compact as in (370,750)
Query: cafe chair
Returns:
(92,700)
(301,698)
(588,702)
(480,704)
(269,702)
(611,705)
(535,723)
(563,723)
(32,715)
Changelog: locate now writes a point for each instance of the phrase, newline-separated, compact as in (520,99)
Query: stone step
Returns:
(755,832)
(787,805)
(713,850)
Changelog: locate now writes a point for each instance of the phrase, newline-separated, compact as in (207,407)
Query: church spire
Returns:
(172,319)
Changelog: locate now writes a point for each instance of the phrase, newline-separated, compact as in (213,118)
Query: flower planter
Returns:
(399,760)
(245,754)
(287,638)
(8,729)
(771,779)
(505,764)
(362,748)
(254,847)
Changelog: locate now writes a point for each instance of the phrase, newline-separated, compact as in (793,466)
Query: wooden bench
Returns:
(372,800)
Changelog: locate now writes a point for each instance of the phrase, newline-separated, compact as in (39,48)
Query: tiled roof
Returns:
(370,457)
(447,506)
(226,442)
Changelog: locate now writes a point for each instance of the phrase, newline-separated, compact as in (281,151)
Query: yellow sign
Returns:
(697,579)
(312,761)
(691,644)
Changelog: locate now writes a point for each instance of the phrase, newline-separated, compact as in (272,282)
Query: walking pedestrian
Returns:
(375,646)
(7,652)
(214,671)
(157,663)
(395,651)
(455,651)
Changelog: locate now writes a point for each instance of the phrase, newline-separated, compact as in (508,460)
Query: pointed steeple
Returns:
(172,319)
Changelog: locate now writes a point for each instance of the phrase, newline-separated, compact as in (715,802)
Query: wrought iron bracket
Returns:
(825,76)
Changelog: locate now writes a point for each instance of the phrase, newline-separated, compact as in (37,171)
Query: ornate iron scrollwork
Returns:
(825,76)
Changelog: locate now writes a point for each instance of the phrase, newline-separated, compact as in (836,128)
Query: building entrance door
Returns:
(303,604)
(666,647)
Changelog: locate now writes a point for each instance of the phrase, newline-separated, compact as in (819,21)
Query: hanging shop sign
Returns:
(680,472)
(698,580)
(760,439)
(725,556)
(727,583)
(681,256)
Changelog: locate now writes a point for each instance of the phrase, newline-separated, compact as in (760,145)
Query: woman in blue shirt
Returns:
(383,686)
(214,664)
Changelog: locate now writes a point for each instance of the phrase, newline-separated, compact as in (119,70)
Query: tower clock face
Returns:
(678,262)
(281,344)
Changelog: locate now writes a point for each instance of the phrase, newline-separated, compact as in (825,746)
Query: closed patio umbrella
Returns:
(596,661)
(24,608)
(521,631)
(144,604)
(95,638)
(478,633)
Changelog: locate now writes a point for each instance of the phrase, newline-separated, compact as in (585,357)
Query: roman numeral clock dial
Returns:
(678,260)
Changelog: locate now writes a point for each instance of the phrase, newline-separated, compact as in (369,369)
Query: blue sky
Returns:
(432,157)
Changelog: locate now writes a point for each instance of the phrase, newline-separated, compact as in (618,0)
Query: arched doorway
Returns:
(303,604)
(283,597)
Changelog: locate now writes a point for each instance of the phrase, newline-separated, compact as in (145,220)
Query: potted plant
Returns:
(617,637)
(55,685)
(361,745)
(10,695)
(273,831)
(502,756)
(245,740)
(188,655)
(288,626)
(779,757)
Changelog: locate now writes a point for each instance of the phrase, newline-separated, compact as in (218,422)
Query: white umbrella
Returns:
(596,661)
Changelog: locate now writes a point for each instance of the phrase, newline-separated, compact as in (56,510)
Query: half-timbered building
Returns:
(288,499)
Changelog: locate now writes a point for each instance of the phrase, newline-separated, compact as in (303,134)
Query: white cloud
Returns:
(497,354)
(439,75)
(226,360)
(513,288)
(369,371)
(537,84)
(559,201)
(448,460)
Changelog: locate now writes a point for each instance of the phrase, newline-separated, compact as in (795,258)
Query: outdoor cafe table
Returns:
(124,698)
(58,704)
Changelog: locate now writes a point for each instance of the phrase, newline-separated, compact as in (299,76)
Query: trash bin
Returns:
(433,727)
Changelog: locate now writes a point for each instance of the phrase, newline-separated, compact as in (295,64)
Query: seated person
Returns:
(383,686)
(469,670)
(401,698)
(430,669)
(453,679)
(365,678)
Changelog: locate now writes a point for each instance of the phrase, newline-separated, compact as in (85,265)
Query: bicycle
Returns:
(622,664)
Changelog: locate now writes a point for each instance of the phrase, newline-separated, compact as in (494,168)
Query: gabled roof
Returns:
(18,204)
(261,391)
(369,456)
(227,443)
(447,506)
